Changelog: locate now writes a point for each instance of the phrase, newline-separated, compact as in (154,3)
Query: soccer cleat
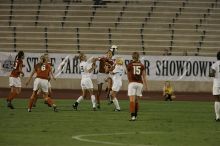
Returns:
(10,105)
(29,110)
(217,120)
(98,106)
(94,109)
(75,106)
(55,109)
(133,118)
(117,110)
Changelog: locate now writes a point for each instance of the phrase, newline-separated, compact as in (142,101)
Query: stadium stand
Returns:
(91,26)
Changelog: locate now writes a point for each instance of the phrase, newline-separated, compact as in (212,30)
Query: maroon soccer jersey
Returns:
(135,71)
(15,72)
(104,62)
(43,70)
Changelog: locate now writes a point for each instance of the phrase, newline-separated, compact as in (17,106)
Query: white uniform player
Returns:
(117,74)
(216,80)
(86,82)
(86,68)
(215,72)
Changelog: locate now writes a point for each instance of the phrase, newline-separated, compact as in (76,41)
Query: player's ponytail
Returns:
(20,54)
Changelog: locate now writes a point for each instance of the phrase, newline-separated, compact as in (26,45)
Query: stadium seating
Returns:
(147,26)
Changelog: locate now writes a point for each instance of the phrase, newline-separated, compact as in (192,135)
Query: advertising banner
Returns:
(173,68)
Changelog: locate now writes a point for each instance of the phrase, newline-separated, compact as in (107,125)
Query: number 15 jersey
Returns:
(134,71)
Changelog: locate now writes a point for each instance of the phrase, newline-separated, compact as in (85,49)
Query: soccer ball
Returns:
(113,48)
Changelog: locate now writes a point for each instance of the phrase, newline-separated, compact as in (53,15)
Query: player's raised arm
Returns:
(92,68)
(51,73)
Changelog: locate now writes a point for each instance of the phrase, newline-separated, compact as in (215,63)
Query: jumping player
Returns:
(137,78)
(43,71)
(103,75)
(14,79)
(117,74)
(215,72)
(86,68)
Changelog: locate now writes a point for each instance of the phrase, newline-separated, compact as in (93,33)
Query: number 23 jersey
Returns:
(134,71)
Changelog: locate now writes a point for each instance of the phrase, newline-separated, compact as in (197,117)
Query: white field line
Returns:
(84,139)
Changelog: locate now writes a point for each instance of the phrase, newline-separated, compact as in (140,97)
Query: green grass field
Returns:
(159,124)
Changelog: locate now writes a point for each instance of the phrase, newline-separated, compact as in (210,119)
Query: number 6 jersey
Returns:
(43,70)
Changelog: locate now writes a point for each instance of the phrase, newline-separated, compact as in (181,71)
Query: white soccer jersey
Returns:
(118,73)
(216,67)
(84,67)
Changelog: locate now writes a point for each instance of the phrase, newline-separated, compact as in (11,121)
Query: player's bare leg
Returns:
(115,100)
(36,98)
(217,108)
(132,108)
(75,105)
(13,93)
(136,109)
(31,100)
(50,101)
(93,99)
(99,95)
(109,88)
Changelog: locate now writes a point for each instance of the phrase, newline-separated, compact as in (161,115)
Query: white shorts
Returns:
(216,90)
(101,77)
(86,83)
(41,84)
(135,89)
(49,86)
(116,85)
(16,82)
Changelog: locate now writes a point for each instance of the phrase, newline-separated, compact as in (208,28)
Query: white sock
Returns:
(217,109)
(79,99)
(115,101)
(93,101)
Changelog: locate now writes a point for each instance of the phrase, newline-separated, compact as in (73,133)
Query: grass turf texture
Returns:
(159,123)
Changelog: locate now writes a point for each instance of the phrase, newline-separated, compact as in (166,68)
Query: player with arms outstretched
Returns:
(43,72)
(215,72)
(14,79)
(137,78)
(86,68)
